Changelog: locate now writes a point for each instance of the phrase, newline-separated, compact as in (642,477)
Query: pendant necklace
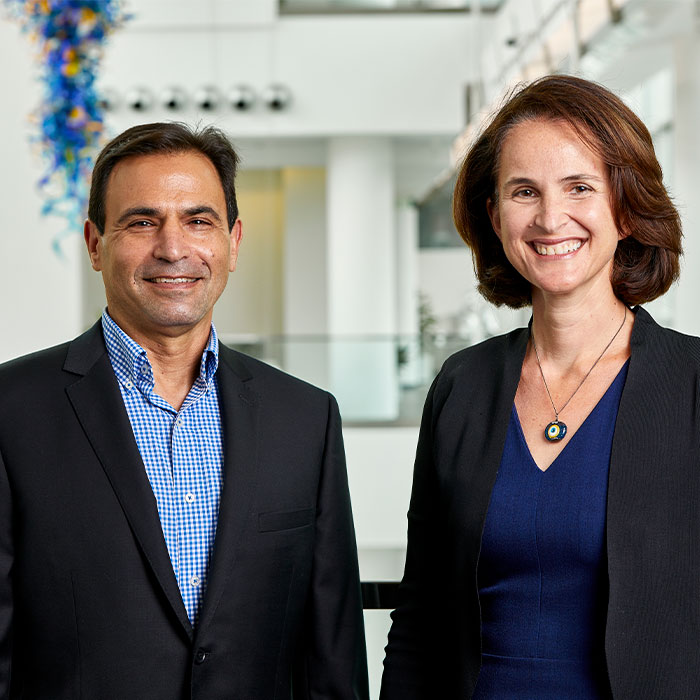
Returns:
(556,430)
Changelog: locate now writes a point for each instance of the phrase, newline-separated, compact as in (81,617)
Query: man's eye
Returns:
(525,192)
(140,223)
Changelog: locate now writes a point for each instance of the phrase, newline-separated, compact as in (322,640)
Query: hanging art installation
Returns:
(70,37)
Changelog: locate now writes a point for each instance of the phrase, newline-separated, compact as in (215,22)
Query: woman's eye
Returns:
(525,192)
(581,189)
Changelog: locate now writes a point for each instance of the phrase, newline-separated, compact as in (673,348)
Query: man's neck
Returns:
(175,358)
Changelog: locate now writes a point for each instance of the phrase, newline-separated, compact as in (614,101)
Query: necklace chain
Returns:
(580,384)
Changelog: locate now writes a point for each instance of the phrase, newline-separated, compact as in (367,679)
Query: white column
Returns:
(687,158)
(305,313)
(407,294)
(361,268)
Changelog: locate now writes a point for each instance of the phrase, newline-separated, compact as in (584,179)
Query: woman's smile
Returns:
(556,249)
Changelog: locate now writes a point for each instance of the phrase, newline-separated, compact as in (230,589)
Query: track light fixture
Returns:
(139,99)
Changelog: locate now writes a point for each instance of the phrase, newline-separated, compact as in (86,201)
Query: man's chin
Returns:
(174,323)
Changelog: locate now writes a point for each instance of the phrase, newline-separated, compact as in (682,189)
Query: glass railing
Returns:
(377,380)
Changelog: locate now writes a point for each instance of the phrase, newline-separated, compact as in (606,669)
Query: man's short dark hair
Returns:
(647,258)
(165,138)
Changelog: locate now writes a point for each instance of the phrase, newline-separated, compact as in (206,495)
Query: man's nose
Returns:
(171,242)
(551,213)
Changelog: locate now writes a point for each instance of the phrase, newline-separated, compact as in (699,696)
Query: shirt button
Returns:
(200,657)
(144,370)
(195,581)
(189,497)
(128,384)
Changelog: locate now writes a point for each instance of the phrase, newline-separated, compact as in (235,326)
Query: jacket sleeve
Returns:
(6,604)
(333,663)
(409,671)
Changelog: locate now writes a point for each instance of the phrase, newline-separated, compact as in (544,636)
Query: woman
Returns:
(554,525)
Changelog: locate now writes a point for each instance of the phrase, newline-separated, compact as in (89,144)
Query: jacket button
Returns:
(201,656)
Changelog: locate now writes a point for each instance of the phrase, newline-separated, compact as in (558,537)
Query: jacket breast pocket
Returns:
(285,519)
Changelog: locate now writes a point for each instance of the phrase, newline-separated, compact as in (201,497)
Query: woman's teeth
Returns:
(559,249)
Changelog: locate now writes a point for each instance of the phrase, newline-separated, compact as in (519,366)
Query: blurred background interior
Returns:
(350,118)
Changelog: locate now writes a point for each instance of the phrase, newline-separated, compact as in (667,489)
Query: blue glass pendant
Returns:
(556,430)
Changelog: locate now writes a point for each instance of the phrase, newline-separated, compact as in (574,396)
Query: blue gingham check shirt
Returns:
(182,452)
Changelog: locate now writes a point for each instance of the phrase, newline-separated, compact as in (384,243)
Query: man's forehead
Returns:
(178,161)
(166,175)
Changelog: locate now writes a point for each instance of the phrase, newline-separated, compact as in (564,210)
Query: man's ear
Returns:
(494,215)
(236,236)
(93,241)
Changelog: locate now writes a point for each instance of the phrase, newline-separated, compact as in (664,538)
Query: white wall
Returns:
(380,470)
(350,74)
(39,293)
(251,301)
(305,283)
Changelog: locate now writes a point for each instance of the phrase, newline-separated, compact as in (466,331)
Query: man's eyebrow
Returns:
(152,212)
(138,211)
(203,209)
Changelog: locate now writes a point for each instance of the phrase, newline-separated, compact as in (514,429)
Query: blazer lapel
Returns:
(481,448)
(98,404)
(239,414)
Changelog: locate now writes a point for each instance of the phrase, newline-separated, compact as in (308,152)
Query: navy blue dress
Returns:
(542,569)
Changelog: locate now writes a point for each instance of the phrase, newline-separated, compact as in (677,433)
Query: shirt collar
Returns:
(132,366)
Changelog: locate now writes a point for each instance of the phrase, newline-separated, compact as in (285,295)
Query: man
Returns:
(174,516)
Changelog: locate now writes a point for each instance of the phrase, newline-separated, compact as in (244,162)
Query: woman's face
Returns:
(552,212)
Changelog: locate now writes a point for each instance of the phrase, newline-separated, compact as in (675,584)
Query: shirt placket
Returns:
(163,463)
(187,496)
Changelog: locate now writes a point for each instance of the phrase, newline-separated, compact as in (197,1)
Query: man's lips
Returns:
(171,280)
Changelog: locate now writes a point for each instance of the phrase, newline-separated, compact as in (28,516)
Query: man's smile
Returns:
(172,280)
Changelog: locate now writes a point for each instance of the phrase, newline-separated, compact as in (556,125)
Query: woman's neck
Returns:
(569,330)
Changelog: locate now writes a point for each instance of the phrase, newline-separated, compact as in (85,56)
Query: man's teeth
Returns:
(559,249)
(172,280)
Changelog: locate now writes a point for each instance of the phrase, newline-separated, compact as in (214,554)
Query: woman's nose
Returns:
(551,214)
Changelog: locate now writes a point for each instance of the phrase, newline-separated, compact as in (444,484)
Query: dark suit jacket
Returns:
(89,604)
(652,637)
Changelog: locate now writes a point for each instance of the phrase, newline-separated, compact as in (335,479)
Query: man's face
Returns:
(166,250)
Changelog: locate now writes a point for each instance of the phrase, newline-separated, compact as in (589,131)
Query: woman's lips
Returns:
(561,248)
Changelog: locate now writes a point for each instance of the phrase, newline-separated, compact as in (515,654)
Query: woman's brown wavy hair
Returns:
(647,258)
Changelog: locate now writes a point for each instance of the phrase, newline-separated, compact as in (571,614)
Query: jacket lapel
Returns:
(480,449)
(98,404)
(239,414)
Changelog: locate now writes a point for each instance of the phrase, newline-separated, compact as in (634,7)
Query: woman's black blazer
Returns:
(652,634)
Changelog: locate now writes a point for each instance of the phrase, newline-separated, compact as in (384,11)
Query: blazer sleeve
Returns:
(408,664)
(333,663)
(6,598)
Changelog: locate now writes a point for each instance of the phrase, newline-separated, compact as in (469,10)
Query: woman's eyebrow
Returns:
(518,181)
(581,176)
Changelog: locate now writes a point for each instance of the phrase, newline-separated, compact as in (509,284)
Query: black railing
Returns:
(380,595)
